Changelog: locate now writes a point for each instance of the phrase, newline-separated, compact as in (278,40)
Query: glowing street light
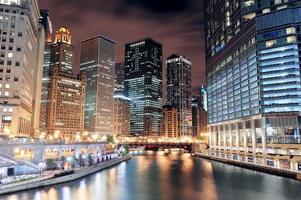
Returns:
(95,137)
(57,134)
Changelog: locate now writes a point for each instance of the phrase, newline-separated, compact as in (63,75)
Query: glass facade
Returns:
(97,62)
(179,91)
(233,85)
(254,84)
(143,85)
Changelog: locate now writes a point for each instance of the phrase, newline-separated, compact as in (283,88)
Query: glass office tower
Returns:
(178,89)
(143,85)
(97,63)
(253,79)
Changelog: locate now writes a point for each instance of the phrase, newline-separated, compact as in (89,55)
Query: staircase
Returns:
(12,160)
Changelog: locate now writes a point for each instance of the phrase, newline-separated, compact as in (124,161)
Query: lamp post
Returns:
(57,135)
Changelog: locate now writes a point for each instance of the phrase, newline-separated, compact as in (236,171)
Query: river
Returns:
(156,175)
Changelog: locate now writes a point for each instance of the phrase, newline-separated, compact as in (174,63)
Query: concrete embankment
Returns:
(255,167)
(64,179)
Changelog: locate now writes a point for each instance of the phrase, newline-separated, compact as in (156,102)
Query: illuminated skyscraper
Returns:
(253,77)
(119,79)
(97,62)
(143,85)
(122,115)
(179,90)
(171,122)
(22,43)
(45,20)
(65,110)
(199,116)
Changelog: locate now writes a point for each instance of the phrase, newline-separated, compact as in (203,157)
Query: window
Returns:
(290,30)
(291,39)
(270,43)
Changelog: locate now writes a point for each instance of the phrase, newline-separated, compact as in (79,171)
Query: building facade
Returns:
(97,62)
(143,85)
(254,84)
(199,116)
(171,122)
(178,88)
(46,22)
(119,79)
(122,116)
(65,109)
(22,39)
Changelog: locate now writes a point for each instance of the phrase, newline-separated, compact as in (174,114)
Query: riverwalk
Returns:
(253,166)
(52,180)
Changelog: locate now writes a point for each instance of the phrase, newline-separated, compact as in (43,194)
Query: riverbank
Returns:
(255,167)
(48,181)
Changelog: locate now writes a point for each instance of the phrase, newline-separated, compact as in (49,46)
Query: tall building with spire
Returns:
(143,85)
(22,39)
(66,97)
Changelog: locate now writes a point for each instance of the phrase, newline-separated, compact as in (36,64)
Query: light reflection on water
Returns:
(168,176)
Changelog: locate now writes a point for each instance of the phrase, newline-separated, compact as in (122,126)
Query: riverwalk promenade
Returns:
(256,167)
(49,180)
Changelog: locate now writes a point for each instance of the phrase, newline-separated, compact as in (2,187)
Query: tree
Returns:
(125,150)
(63,161)
(50,164)
(90,160)
(110,139)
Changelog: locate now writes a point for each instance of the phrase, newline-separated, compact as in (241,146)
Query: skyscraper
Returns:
(143,85)
(199,116)
(119,79)
(178,87)
(122,116)
(171,122)
(97,62)
(65,109)
(22,39)
(46,22)
(253,78)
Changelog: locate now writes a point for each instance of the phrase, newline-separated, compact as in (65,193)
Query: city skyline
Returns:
(150,99)
(181,27)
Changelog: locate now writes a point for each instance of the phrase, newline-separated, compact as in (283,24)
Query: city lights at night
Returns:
(150,99)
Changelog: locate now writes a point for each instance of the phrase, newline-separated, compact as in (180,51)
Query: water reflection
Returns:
(169,176)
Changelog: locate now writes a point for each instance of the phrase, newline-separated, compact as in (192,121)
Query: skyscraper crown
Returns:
(63,35)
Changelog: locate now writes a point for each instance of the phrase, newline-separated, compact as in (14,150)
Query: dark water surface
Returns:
(170,176)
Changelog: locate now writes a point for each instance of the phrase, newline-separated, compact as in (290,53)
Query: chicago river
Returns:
(157,175)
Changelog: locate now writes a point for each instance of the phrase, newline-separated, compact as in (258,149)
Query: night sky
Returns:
(177,24)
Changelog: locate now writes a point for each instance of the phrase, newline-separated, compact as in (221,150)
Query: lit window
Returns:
(6,93)
(291,39)
(290,30)
(270,43)
(266,10)
(10,55)
(7,85)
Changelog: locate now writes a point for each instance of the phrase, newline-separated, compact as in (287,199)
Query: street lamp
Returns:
(77,137)
(57,134)
(95,137)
